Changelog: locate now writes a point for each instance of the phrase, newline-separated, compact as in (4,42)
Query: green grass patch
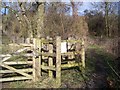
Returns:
(73,78)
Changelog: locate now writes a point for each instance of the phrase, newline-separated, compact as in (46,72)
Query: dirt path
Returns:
(99,76)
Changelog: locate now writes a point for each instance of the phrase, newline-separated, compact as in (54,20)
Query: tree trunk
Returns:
(30,32)
(40,20)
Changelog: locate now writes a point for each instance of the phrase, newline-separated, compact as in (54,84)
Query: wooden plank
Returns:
(50,60)
(20,70)
(37,61)
(5,59)
(28,40)
(7,55)
(33,58)
(45,41)
(69,65)
(26,45)
(18,62)
(28,55)
(67,54)
(14,78)
(42,45)
(71,62)
(48,67)
(21,50)
(15,70)
(13,45)
(62,66)
(72,55)
(83,54)
(70,47)
(45,54)
(58,60)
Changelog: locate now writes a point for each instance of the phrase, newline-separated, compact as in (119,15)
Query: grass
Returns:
(73,78)
(43,83)
(6,49)
(5,40)
(107,59)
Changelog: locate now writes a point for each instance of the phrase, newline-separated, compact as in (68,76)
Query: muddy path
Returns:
(98,78)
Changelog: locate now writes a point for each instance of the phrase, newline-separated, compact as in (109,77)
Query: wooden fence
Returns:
(8,66)
(42,50)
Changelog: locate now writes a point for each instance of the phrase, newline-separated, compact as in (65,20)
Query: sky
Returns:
(86,4)
(2,10)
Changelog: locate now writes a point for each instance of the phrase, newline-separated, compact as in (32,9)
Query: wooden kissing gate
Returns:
(46,55)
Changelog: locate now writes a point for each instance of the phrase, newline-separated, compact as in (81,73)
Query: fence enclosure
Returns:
(45,54)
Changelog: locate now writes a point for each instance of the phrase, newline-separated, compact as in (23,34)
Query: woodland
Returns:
(99,25)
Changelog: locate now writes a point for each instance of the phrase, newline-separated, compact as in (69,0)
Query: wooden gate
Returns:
(11,67)
(54,57)
(42,50)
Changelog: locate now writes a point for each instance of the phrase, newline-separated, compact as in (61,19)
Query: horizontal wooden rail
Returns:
(21,44)
(40,53)
(17,62)
(7,55)
(70,65)
(26,45)
(19,70)
(62,66)
(67,53)
(15,70)
(14,78)
(48,67)
(46,41)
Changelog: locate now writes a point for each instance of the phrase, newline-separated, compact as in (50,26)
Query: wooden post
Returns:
(70,56)
(39,58)
(37,61)
(50,62)
(58,60)
(34,59)
(43,57)
(83,54)
(28,40)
